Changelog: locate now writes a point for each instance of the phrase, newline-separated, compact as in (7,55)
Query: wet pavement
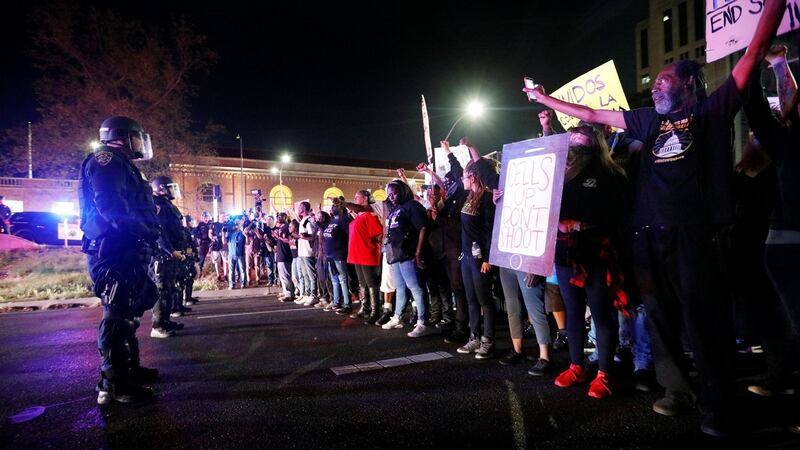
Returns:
(256,373)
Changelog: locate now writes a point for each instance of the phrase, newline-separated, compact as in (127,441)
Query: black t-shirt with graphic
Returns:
(477,227)
(334,239)
(596,196)
(403,225)
(685,169)
(283,252)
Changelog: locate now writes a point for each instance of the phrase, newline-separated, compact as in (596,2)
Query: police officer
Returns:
(167,263)
(120,230)
(203,238)
(191,262)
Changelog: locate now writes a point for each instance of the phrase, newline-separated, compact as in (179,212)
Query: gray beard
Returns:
(665,104)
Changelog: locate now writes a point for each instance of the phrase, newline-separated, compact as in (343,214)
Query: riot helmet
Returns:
(163,185)
(129,131)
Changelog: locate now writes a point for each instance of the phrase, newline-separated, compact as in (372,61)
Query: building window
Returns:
(331,192)
(667,31)
(379,195)
(280,197)
(684,55)
(645,80)
(669,60)
(699,19)
(644,53)
(683,25)
(698,52)
(206,191)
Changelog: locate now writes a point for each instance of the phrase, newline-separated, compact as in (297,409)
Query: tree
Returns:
(95,64)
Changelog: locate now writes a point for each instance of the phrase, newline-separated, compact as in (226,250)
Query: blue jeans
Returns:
(338,273)
(285,274)
(308,271)
(407,276)
(513,282)
(269,263)
(633,332)
(298,277)
(237,264)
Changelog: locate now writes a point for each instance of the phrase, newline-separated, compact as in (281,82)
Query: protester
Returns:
(675,210)
(477,221)
(406,230)
(364,250)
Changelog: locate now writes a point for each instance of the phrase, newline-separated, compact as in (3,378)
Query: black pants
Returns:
(678,273)
(478,290)
(453,267)
(595,294)
(165,275)
(368,276)
(440,293)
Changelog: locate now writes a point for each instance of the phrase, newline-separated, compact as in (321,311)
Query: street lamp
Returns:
(285,158)
(241,166)
(474,109)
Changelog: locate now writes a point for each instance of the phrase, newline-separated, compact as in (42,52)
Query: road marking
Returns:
(254,313)
(517,417)
(389,363)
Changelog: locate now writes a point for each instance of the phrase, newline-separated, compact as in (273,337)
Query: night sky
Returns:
(346,78)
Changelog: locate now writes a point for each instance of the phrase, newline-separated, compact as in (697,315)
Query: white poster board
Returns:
(731,24)
(442,163)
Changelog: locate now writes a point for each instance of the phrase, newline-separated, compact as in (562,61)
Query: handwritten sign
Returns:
(526,220)
(598,88)
(442,163)
(70,231)
(731,24)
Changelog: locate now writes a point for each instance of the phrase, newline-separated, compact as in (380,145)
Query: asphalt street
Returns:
(257,373)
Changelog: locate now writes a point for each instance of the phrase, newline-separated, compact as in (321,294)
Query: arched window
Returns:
(379,195)
(331,192)
(280,198)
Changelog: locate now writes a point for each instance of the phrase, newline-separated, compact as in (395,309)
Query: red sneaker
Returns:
(600,387)
(572,376)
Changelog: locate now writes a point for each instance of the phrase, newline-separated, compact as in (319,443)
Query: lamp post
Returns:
(474,109)
(241,166)
(285,158)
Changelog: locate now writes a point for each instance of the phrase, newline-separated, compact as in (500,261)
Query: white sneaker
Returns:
(321,304)
(420,330)
(301,299)
(161,333)
(176,314)
(310,300)
(393,323)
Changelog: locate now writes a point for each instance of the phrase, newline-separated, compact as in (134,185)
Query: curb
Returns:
(92,302)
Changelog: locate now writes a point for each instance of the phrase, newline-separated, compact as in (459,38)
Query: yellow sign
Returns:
(599,88)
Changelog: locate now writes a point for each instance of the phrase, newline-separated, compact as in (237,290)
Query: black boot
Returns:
(375,306)
(363,312)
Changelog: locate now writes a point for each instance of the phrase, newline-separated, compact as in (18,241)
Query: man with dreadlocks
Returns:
(683,193)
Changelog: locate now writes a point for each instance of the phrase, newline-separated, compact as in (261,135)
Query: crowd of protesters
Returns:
(653,220)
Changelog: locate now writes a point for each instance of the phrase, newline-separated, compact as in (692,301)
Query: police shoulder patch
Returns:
(103,157)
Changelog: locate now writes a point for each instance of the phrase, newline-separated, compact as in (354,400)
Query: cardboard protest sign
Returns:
(526,220)
(731,24)
(443,163)
(426,131)
(598,88)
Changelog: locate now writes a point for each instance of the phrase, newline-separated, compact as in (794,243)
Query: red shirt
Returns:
(362,248)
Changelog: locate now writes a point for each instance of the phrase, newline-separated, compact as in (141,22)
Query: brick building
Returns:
(304,176)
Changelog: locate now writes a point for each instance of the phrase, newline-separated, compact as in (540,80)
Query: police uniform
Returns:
(120,230)
(164,268)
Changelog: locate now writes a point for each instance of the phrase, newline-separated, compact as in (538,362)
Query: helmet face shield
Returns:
(173,191)
(141,146)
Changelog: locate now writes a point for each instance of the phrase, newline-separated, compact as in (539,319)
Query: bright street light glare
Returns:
(274,170)
(475,109)
(285,158)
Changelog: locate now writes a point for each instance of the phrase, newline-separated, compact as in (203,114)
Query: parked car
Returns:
(42,227)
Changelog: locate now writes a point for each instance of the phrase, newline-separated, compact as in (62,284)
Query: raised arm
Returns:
(422,167)
(603,116)
(765,30)
(787,86)
(473,152)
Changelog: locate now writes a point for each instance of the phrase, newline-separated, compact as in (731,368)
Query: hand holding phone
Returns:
(529,85)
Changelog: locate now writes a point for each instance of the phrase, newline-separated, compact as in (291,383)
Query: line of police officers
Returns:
(140,256)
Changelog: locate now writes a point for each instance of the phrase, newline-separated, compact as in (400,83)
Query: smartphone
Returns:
(530,85)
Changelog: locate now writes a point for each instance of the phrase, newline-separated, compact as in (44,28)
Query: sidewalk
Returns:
(89,302)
